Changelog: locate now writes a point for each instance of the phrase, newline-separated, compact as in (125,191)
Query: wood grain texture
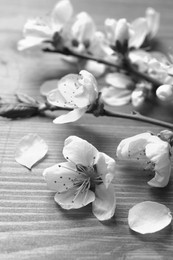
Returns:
(32,226)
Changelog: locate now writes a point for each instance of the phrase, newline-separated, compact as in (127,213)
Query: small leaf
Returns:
(23,98)
(149,217)
(19,110)
(30,150)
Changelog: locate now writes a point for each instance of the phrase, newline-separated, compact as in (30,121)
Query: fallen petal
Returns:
(30,150)
(149,217)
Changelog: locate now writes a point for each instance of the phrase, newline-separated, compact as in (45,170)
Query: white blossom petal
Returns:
(118,80)
(79,151)
(153,20)
(83,28)
(115,97)
(158,153)
(60,177)
(121,31)
(61,14)
(137,97)
(38,28)
(69,200)
(149,217)
(29,42)
(71,116)
(89,82)
(133,147)
(30,150)
(139,32)
(105,202)
(170,70)
(165,92)
(97,69)
(105,167)
(56,98)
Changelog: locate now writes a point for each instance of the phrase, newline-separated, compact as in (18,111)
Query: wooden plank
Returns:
(32,226)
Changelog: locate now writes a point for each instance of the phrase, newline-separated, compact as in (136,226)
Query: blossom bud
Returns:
(165,92)
(137,97)
(122,31)
(61,14)
(166,135)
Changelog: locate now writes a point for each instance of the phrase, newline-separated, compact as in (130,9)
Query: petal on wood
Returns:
(149,217)
(30,150)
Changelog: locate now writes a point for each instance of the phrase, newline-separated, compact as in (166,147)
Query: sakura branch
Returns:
(120,51)
(75,93)
(128,66)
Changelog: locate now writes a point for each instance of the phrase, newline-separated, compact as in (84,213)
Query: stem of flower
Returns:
(141,75)
(138,117)
(128,65)
(134,116)
(83,56)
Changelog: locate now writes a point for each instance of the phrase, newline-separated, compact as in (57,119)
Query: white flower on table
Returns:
(74,91)
(154,150)
(85,178)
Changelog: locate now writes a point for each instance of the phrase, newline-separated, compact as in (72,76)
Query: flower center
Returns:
(90,175)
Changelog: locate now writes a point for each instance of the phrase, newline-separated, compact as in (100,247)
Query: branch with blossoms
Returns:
(133,74)
(118,52)
(76,93)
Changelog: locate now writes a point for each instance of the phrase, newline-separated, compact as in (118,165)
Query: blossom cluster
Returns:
(131,74)
(135,72)
(87,174)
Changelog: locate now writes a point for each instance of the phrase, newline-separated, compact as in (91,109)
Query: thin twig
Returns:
(138,117)
(129,66)
(134,116)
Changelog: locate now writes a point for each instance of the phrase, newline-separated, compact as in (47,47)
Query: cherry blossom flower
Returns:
(116,31)
(152,149)
(136,32)
(82,32)
(78,92)
(123,90)
(38,30)
(85,178)
(119,91)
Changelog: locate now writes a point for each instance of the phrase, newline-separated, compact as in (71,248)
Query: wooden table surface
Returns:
(32,225)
